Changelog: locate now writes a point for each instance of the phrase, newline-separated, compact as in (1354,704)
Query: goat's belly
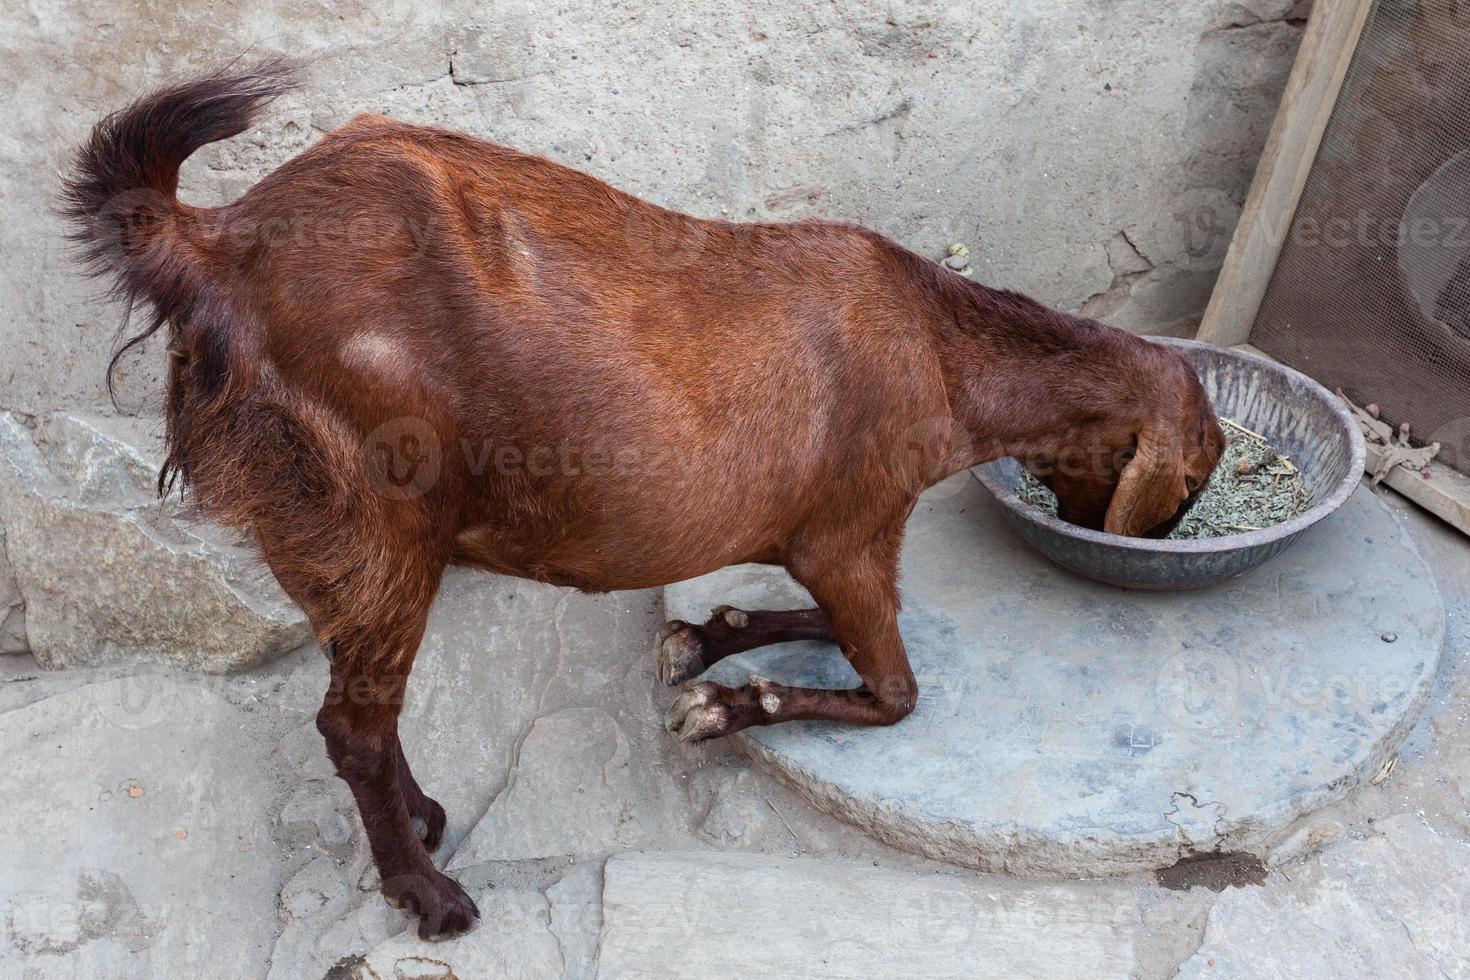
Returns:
(622,535)
(603,564)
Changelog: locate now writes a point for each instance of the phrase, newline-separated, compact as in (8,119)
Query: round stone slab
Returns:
(1066,727)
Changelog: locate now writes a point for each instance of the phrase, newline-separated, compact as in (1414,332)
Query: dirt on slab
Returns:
(1215,871)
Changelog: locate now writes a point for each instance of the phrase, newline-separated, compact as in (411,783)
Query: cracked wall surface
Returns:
(1037,133)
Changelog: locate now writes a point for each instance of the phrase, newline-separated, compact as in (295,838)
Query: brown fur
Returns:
(407,348)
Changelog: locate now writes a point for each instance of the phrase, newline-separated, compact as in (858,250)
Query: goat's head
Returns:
(1144,463)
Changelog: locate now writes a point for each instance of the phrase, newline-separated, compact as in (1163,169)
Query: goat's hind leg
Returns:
(364,563)
(428,817)
(370,623)
(359,720)
(425,812)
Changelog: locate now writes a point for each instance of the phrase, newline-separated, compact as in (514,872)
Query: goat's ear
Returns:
(1151,487)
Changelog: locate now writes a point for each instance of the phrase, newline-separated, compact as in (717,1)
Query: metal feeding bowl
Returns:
(1295,414)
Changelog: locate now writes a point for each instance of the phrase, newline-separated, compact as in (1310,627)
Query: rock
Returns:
(303,752)
(1392,905)
(145,818)
(12,607)
(1245,13)
(493,715)
(721,914)
(514,940)
(23,683)
(110,574)
(326,915)
(500,51)
(329,908)
(341,943)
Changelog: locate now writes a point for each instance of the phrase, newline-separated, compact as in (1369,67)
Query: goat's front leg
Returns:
(859,603)
(686,650)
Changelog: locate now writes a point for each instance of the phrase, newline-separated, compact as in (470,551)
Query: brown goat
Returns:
(408,348)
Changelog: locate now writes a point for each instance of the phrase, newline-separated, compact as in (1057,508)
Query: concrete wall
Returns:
(1091,152)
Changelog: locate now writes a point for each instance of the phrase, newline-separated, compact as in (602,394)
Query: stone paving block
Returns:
(1396,904)
(514,942)
(726,915)
(570,793)
(144,847)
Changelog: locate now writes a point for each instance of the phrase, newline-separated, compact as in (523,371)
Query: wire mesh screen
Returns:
(1371,292)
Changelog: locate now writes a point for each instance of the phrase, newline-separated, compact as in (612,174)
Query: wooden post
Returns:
(1311,93)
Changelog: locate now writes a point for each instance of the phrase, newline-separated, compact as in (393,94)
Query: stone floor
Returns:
(164,824)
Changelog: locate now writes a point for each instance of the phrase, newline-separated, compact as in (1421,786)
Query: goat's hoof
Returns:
(698,714)
(444,908)
(680,652)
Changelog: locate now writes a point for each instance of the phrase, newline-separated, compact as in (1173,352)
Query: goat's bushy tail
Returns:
(120,191)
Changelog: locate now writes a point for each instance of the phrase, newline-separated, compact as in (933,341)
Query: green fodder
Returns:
(1254,487)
